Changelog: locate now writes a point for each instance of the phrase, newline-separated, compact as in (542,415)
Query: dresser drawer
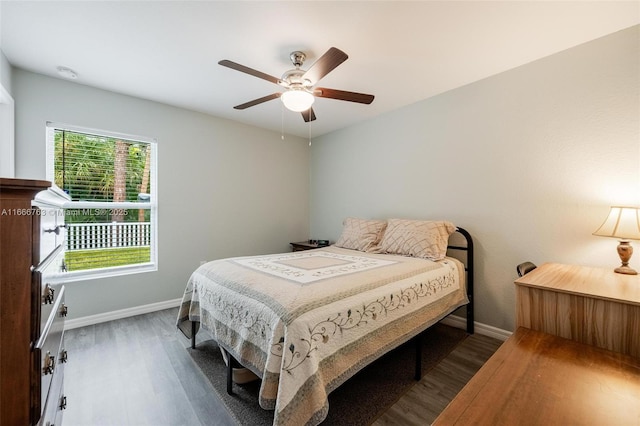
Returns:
(52,219)
(56,403)
(52,230)
(50,356)
(47,282)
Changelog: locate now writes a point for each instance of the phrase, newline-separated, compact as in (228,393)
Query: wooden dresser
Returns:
(32,309)
(573,359)
(536,378)
(595,306)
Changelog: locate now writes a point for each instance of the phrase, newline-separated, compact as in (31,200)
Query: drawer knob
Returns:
(64,310)
(63,403)
(48,295)
(49,363)
(63,356)
(55,230)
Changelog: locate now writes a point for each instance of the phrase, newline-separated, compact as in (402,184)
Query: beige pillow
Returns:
(361,234)
(418,238)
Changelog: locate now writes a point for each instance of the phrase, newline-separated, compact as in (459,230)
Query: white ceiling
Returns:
(402,52)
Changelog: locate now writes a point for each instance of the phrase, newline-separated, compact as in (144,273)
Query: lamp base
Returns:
(625,250)
(626,270)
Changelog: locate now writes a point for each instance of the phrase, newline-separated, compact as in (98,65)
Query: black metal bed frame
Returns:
(468,267)
(470,274)
(468,248)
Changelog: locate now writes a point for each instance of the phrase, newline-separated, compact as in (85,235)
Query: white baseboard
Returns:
(452,320)
(122,313)
(484,329)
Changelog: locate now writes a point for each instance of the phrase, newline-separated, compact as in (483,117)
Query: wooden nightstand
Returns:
(304,245)
(590,305)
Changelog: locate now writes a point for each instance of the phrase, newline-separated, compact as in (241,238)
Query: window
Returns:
(111,222)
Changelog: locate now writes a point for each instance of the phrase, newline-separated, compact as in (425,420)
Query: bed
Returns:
(306,321)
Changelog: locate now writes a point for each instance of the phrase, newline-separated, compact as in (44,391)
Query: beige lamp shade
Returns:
(622,223)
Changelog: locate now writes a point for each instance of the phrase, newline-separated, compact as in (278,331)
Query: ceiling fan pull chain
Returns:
(282,121)
(309,132)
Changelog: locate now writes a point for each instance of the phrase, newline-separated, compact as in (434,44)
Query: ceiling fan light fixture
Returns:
(297,100)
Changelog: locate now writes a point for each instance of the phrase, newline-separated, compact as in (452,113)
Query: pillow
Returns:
(361,234)
(418,238)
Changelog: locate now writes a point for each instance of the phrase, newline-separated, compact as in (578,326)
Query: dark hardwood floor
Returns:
(136,371)
(428,398)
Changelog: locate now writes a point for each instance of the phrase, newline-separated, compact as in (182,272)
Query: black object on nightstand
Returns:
(309,244)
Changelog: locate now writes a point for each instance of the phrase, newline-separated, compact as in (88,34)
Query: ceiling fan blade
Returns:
(257,101)
(250,71)
(308,115)
(323,66)
(362,98)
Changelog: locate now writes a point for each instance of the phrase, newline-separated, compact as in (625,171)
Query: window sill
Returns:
(92,274)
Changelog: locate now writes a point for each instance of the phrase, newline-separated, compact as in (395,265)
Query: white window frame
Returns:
(7,144)
(152,206)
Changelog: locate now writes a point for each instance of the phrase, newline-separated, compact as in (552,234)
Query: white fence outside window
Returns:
(87,236)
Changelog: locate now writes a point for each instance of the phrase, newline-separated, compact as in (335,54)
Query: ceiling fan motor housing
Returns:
(293,79)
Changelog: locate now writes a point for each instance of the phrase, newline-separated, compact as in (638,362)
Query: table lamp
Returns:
(622,223)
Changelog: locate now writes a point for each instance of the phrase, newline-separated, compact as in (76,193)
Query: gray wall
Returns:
(528,161)
(224,189)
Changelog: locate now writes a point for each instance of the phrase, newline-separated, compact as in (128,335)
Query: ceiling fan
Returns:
(300,93)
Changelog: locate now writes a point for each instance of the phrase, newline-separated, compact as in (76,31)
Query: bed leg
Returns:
(470,316)
(229,372)
(193,334)
(418,343)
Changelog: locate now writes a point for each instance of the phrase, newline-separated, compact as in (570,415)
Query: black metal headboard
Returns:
(468,248)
